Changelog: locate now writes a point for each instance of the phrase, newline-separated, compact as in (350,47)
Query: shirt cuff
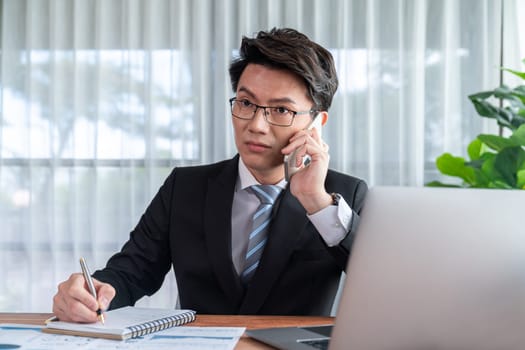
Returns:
(333,222)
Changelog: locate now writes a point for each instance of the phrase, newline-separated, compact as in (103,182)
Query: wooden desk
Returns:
(245,343)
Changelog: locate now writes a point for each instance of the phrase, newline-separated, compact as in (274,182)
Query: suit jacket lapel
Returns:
(217,223)
(281,242)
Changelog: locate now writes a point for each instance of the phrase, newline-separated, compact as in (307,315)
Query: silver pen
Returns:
(91,286)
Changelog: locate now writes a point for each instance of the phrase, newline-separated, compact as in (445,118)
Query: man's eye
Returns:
(245,103)
(281,110)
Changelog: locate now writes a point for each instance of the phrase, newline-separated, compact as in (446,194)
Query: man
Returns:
(202,218)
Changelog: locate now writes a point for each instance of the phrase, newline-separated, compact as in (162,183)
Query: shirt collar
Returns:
(246,179)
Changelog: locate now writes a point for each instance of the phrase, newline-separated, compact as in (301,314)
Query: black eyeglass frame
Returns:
(257,107)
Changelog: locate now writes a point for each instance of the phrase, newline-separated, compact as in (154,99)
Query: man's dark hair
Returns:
(290,50)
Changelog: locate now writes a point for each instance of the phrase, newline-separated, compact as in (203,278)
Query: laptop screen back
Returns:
(436,269)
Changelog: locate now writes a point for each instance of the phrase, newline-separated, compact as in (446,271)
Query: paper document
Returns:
(29,337)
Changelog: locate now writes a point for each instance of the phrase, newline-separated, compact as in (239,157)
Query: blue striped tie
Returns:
(267,194)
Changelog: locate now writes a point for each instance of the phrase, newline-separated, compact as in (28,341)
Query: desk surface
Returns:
(245,343)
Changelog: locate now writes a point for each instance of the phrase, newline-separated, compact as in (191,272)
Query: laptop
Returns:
(430,268)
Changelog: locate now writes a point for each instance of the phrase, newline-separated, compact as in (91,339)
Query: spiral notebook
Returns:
(124,323)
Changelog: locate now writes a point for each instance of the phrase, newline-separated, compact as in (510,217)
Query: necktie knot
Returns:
(267,194)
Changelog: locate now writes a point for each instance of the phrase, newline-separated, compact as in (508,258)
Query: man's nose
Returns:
(259,119)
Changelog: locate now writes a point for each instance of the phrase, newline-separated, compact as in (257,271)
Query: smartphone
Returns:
(289,160)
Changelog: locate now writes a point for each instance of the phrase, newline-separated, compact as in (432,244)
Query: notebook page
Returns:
(117,321)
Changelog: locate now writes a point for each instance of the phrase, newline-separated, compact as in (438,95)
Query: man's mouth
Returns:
(257,146)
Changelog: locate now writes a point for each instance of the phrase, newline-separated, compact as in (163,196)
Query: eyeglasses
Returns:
(279,116)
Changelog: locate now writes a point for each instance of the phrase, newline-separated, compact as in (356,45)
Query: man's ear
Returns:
(324,117)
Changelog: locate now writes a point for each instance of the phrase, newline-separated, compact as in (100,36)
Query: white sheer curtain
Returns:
(100,99)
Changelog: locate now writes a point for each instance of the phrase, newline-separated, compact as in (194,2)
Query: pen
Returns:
(51,319)
(91,286)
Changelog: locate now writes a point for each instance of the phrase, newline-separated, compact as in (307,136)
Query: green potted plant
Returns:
(495,161)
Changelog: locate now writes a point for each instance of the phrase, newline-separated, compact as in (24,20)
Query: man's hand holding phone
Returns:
(292,162)
(307,180)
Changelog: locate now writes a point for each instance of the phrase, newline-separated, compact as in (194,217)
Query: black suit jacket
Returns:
(188,224)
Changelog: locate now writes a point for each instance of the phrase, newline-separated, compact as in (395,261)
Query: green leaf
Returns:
(518,136)
(440,184)
(498,184)
(515,72)
(514,97)
(517,120)
(476,163)
(484,108)
(519,91)
(520,182)
(507,163)
(481,95)
(507,118)
(496,142)
(504,116)
(503,92)
(455,166)
(474,149)
(482,180)
(488,167)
